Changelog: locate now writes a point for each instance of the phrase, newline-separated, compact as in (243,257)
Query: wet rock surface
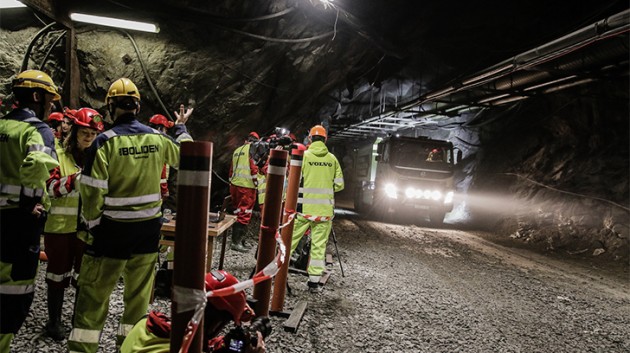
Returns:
(409,288)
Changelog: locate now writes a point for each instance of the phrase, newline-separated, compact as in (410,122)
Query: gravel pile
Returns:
(415,289)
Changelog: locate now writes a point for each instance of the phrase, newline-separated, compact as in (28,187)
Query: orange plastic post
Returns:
(280,281)
(269,225)
(191,237)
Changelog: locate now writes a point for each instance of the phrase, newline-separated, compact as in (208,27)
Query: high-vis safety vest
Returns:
(121,178)
(262,187)
(321,178)
(27,154)
(241,171)
(64,209)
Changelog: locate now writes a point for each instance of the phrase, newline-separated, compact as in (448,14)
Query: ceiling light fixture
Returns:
(115,22)
(9,4)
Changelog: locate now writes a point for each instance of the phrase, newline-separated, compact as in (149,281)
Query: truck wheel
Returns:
(436,217)
(359,205)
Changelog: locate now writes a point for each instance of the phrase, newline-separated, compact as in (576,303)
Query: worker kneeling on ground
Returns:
(152,333)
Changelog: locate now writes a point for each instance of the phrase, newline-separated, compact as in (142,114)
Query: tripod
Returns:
(334,236)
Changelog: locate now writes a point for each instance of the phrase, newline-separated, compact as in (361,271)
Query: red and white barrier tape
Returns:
(191,299)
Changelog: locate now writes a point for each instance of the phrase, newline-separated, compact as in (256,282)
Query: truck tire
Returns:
(359,207)
(436,217)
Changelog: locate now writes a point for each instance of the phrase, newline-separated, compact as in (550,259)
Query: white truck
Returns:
(406,175)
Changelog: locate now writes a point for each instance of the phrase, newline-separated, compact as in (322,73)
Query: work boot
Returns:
(54,328)
(314,287)
(238,231)
(246,246)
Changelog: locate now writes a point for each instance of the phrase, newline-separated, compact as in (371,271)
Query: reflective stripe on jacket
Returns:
(63,190)
(243,174)
(321,178)
(27,155)
(261,188)
(121,178)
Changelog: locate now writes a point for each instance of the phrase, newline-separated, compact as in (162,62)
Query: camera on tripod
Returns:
(240,337)
(259,150)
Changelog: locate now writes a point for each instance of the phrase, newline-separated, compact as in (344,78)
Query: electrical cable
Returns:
(27,54)
(218,176)
(146,75)
(54,44)
(253,79)
(39,18)
(569,192)
(260,18)
(276,40)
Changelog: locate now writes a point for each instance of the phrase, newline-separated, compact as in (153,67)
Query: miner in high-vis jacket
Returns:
(63,245)
(321,178)
(243,189)
(27,155)
(120,193)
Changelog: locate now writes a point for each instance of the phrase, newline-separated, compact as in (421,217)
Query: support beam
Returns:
(58,12)
(51,9)
(71,90)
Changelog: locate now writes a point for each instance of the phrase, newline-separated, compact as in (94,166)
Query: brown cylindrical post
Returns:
(269,225)
(191,234)
(280,282)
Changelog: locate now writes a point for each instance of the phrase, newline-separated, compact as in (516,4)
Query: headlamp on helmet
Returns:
(88,117)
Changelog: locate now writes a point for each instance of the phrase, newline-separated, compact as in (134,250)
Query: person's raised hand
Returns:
(182,116)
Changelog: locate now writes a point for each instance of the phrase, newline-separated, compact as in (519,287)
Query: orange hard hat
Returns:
(318,130)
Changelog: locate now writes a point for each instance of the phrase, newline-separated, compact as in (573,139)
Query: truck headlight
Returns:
(449,197)
(410,192)
(436,195)
(391,190)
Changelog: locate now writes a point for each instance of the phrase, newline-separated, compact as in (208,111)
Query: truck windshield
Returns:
(414,154)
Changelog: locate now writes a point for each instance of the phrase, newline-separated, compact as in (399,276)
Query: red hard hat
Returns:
(299,146)
(235,303)
(69,113)
(159,119)
(56,116)
(254,134)
(292,136)
(88,117)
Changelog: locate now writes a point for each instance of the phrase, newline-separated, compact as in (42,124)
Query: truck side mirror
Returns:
(378,158)
(459,156)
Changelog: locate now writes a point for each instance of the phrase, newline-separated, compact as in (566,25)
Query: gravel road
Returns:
(419,289)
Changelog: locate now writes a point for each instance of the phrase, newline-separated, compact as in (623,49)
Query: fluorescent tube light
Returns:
(114,22)
(9,4)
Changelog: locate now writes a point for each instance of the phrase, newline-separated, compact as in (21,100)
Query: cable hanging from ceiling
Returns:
(146,75)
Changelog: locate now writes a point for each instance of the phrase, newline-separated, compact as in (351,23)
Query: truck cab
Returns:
(406,175)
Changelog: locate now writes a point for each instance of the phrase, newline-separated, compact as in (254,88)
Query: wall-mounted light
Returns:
(115,22)
(9,4)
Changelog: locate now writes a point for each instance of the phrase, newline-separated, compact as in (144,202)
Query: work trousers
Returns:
(19,260)
(320,230)
(103,265)
(64,252)
(243,200)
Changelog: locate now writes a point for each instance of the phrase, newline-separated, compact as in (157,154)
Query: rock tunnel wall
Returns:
(556,168)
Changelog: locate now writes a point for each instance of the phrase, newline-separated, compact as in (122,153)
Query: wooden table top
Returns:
(214,229)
